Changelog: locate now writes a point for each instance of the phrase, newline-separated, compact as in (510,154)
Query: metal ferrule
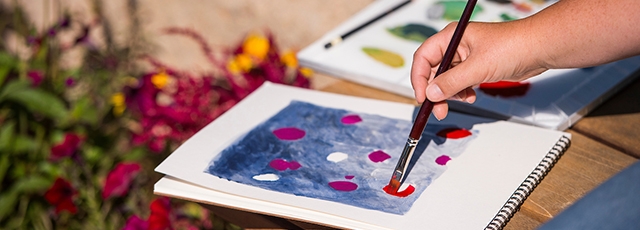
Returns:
(405,158)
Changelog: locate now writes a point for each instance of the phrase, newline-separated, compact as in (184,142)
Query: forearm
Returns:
(582,33)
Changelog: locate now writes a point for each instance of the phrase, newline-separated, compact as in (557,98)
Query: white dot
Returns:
(337,157)
(266,177)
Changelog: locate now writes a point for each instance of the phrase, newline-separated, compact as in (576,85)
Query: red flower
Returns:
(67,148)
(135,223)
(160,214)
(61,195)
(36,77)
(119,179)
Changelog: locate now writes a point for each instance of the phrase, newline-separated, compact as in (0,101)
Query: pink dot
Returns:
(442,160)
(289,133)
(345,186)
(294,165)
(454,133)
(351,119)
(279,164)
(378,156)
(349,177)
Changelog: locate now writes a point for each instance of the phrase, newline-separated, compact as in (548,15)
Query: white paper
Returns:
(467,196)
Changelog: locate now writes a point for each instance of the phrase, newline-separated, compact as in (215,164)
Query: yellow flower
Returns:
(240,63)
(306,72)
(160,80)
(289,59)
(117,100)
(256,46)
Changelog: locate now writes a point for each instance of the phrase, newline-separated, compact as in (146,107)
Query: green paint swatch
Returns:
(387,57)
(450,10)
(413,32)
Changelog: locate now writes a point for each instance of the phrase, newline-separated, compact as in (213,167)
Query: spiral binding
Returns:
(520,195)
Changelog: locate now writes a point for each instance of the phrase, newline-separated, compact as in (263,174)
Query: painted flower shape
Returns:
(61,196)
(67,148)
(119,179)
(159,219)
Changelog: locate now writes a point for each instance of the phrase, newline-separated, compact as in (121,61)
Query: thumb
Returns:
(450,83)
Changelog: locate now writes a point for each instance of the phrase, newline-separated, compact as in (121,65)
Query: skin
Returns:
(567,34)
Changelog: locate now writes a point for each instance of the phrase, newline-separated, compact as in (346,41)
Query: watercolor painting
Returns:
(339,156)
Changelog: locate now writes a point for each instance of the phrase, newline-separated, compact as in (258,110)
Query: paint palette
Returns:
(380,55)
(338,155)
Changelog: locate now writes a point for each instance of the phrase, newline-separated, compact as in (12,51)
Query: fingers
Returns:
(456,83)
(425,61)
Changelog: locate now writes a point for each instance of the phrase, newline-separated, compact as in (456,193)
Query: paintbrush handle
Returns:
(427,106)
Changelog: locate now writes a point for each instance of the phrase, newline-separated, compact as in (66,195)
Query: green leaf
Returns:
(136,154)
(7,62)
(39,101)
(13,87)
(387,57)
(6,134)
(7,203)
(5,162)
(30,184)
(24,143)
(85,110)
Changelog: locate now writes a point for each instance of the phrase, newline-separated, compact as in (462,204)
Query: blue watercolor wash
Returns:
(325,134)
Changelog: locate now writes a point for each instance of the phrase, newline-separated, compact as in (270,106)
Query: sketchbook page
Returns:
(380,54)
(475,184)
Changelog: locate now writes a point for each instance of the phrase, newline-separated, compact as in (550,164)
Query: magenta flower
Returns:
(119,179)
(36,77)
(61,195)
(135,223)
(67,148)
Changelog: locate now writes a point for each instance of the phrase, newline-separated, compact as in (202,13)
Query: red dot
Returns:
(505,88)
(442,160)
(289,133)
(454,133)
(345,186)
(351,119)
(294,165)
(404,193)
(349,177)
(378,156)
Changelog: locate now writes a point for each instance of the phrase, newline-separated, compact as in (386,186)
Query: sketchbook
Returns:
(326,158)
(380,56)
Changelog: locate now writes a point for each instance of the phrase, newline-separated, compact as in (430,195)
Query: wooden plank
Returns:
(586,164)
(616,122)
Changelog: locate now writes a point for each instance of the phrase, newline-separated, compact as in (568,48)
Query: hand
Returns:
(488,52)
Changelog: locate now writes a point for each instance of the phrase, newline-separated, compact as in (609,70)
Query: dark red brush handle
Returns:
(427,106)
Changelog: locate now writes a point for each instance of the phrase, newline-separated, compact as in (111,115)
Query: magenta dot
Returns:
(294,165)
(279,164)
(442,160)
(378,156)
(351,119)
(289,133)
(343,185)
(349,177)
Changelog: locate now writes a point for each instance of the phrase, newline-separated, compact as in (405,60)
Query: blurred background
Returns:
(95,93)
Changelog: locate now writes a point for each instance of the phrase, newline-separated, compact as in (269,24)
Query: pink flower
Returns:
(67,148)
(135,223)
(119,179)
(160,218)
(61,196)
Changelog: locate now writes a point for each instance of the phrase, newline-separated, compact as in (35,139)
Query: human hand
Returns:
(488,52)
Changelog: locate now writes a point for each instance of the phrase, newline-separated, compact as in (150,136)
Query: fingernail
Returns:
(434,92)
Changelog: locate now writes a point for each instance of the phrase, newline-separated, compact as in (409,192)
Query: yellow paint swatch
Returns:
(387,57)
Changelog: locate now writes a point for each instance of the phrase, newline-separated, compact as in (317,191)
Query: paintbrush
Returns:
(422,117)
(339,39)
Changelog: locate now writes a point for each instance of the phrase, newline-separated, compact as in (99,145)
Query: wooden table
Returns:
(603,143)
